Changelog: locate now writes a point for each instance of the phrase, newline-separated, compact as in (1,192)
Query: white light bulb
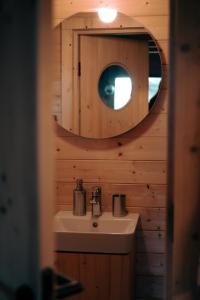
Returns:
(107,15)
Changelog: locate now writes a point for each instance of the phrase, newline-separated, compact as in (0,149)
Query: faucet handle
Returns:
(96,195)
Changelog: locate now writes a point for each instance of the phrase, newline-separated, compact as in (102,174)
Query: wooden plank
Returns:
(127,275)
(164,83)
(184,175)
(150,218)
(103,276)
(150,241)
(56,58)
(161,104)
(90,20)
(153,125)
(150,264)
(67,82)
(163,46)
(25,90)
(156,25)
(137,195)
(94,274)
(68,264)
(115,277)
(111,171)
(56,66)
(139,148)
(149,287)
(42,82)
(62,9)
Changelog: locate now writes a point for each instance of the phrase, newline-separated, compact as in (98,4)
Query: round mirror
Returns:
(115,86)
(110,75)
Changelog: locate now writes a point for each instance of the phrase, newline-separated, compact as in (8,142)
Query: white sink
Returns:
(104,234)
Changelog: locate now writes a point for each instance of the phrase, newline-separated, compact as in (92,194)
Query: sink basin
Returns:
(104,234)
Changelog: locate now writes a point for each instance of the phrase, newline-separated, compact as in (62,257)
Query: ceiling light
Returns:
(107,15)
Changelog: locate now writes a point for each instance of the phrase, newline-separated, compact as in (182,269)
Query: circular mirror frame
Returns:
(69,128)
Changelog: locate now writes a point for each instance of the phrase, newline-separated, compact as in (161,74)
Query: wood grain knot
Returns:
(194,149)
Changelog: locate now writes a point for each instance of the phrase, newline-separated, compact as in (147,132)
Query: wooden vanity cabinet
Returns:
(103,276)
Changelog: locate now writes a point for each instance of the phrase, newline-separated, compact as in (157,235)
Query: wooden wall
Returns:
(184,153)
(133,163)
(26,180)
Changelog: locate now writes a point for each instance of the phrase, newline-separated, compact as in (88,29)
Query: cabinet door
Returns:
(95,276)
(103,276)
(68,264)
(121,277)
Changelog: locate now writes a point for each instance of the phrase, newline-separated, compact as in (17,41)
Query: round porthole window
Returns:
(115,86)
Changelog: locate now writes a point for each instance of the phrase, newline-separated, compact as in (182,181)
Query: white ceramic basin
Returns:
(105,234)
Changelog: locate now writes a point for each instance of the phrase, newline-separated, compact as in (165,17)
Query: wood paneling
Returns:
(184,151)
(150,241)
(120,149)
(133,163)
(137,195)
(64,8)
(150,264)
(103,276)
(111,171)
(26,184)
(68,264)
(56,68)
(153,125)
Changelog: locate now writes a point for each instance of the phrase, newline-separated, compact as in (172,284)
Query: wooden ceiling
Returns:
(64,8)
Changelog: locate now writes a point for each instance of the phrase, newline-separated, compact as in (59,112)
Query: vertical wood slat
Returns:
(68,264)
(94,275)
(17,152)
(24,185)
(103,276)
(184,175)
(45,135)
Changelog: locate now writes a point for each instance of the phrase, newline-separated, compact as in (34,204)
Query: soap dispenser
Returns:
(79,199)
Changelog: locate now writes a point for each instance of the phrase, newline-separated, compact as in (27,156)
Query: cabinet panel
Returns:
(103,276)
(68,265)
(94,275)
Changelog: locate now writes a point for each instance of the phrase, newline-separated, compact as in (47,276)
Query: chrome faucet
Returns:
(96,201)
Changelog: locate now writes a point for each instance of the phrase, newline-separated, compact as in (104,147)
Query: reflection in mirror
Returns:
(115,86)
(111,75)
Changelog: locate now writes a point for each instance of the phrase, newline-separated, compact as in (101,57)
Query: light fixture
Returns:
(107,15)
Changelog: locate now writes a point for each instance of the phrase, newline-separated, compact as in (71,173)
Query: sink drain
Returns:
(95,224)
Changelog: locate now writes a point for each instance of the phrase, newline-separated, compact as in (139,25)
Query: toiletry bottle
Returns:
(79,199)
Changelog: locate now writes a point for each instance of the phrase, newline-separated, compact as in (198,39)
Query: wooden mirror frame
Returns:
(71,29)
